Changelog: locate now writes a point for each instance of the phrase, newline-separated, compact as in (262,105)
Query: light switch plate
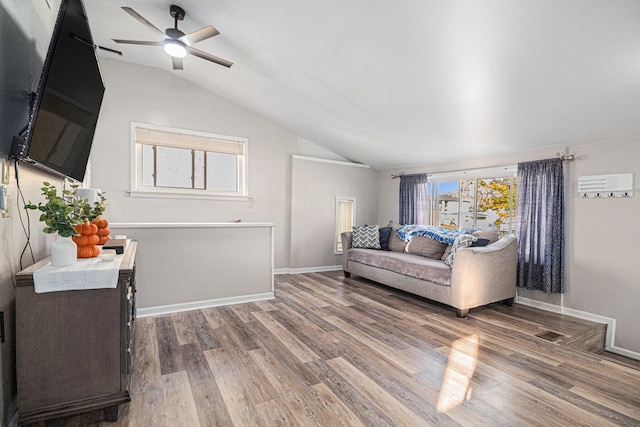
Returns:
(4,201)
(6,167)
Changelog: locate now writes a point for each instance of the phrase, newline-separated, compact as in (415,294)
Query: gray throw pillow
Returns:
(396,244)
(426,247)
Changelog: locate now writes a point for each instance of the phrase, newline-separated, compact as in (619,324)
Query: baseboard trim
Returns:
(304,270)
(197,305)
(611,323)
(624,352)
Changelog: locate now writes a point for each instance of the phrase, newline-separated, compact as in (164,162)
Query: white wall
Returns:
(143,94)
(315,185)
(178,267)
(602,249)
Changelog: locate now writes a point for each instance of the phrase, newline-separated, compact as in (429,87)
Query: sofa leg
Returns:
(347,274)
(462,313)
(508,302)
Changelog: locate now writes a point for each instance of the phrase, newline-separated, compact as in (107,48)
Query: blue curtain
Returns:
(413,199)
(540,225)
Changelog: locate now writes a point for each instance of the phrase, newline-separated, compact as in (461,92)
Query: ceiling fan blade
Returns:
(142,20)
(177,63)
(117,52)
(141,42)
(199,35)
(208,57)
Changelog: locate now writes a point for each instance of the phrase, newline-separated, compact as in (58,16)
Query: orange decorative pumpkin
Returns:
(103,229)
(87,240)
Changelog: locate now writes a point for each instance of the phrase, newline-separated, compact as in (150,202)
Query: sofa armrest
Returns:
(483,275)
(346,245)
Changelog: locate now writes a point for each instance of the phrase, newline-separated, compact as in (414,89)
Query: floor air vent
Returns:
(549,336)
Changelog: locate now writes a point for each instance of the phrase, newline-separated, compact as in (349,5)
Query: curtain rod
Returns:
(561,156)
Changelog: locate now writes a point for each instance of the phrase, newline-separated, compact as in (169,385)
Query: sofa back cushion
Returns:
(426,247)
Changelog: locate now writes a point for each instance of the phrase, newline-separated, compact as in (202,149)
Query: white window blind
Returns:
(180,162)
(345,218)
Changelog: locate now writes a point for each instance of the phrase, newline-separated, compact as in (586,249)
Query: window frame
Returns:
(139,190)
(472,175)
(338,239)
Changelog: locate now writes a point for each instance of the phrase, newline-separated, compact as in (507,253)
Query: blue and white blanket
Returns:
(444,235)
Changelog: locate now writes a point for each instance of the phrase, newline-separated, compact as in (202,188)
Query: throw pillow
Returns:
(426,247)
(396,244)
(480,241)
(492,234)
(385,235)
(462,241)
(366,237)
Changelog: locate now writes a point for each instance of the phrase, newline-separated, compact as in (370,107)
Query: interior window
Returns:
(171,161)
(345,219)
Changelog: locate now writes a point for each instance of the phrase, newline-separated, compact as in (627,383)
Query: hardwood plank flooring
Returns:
(331,351)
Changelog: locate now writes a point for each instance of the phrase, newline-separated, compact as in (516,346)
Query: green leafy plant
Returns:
(84,209)
(59,212)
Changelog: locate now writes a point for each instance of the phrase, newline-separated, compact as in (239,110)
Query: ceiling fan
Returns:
(175,42)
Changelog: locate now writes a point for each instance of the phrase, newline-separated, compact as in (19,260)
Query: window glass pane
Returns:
(494,203)
(468,206)
(198,170)
(148,166)
(448,206)
(174,167)
(221,171)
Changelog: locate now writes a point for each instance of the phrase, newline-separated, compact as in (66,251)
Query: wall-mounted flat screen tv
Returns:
(64,116)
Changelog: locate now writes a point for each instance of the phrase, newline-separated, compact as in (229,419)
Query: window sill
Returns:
(168,195)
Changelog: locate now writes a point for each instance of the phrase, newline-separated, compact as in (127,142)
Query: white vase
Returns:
(64,252)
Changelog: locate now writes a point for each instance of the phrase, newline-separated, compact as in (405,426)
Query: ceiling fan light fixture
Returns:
(175,49)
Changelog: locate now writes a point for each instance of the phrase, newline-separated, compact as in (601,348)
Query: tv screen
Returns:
(67,104)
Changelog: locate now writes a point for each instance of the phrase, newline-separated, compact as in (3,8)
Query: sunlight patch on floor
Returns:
(456,385)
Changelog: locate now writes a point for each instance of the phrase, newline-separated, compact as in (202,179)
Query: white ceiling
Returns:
(410,82)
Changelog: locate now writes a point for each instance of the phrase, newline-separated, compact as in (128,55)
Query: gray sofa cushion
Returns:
(415,266)
(426,246)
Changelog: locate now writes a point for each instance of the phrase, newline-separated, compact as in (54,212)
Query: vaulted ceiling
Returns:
(410,82)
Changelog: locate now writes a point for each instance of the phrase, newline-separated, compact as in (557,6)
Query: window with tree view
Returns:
(478,202)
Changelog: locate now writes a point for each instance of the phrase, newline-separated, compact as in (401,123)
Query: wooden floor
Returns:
(330,351)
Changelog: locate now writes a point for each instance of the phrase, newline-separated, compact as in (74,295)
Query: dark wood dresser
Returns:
(74,349)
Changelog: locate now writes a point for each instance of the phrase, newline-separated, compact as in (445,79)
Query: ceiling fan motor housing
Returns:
(174,33)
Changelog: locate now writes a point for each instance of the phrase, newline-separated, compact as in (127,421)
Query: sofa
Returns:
(476,277)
